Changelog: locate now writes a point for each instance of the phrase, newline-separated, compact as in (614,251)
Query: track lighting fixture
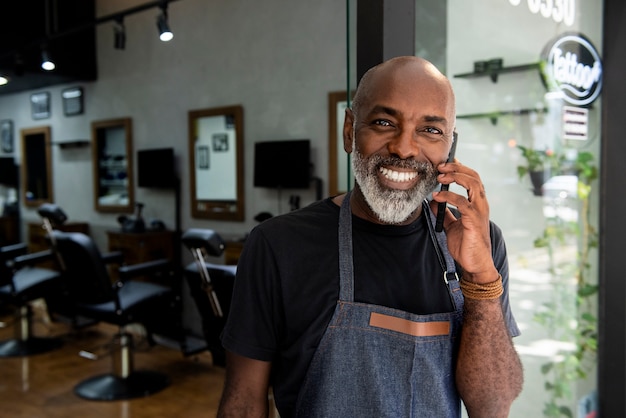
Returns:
(120,33)
(165,34)
(46,63)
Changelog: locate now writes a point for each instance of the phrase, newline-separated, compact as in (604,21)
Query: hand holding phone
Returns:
(441,209)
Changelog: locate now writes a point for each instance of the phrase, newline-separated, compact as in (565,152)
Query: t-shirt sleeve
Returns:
(500,259)
(250,329)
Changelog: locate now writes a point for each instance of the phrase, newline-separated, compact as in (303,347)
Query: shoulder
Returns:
(312,218)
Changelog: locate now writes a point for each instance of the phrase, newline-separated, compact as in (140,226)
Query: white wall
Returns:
(278,59)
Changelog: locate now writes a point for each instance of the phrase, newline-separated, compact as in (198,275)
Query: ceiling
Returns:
(65,27)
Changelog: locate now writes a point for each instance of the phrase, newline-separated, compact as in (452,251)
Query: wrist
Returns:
(482,291)
(482,277)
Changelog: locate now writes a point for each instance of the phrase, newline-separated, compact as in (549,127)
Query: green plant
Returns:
(539,160)
(569,316)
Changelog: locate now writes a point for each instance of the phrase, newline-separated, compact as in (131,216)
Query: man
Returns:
(351,307)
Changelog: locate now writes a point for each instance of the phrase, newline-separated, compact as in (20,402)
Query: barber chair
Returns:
(58,304)
(210,286)
(22,282)
(120,302)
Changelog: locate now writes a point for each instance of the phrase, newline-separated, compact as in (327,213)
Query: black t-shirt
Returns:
(287,285)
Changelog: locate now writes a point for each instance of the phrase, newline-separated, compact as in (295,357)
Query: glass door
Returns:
(527,76)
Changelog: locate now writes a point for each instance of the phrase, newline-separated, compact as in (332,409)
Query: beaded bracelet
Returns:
(485,291)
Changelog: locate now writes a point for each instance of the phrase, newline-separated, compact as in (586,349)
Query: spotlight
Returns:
(46,63)
(165,34)
(120,34)
(3,80)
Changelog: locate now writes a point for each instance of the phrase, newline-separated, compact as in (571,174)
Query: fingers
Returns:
(465,177)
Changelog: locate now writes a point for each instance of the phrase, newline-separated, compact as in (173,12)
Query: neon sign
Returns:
(572,65)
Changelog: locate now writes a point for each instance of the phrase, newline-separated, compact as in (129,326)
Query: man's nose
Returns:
(404,145)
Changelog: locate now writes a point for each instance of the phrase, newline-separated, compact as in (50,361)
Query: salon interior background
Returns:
(278,60)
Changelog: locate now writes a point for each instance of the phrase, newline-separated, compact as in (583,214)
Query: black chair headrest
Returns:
(208,239)
(53,213)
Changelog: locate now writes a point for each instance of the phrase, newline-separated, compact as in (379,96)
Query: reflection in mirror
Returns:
(216,163)
(340,178)
(36,166)
(111,142)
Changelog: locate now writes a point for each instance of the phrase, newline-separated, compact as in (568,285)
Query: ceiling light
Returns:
(120,33)
(3,80)
(165,34)
(46,63)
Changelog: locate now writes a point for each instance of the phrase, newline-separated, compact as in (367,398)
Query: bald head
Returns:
(413,75)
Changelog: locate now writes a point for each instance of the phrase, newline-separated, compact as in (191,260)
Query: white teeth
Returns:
(399,176)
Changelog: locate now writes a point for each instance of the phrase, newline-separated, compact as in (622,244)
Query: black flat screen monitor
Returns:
(155,168)
(283,164)
(8,172)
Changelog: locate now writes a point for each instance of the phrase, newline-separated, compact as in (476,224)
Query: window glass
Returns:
(525,77)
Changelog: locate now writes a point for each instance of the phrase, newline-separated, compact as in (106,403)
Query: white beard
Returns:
(389,205)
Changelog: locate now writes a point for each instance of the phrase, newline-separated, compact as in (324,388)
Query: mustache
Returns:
(378,161)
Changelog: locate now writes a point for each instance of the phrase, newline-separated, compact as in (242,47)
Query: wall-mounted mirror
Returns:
(36,166)
(340,178)
(112,153)
(216,163)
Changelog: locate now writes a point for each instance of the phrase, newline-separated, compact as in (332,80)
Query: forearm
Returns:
(489,373)
(235,405)
(245,388)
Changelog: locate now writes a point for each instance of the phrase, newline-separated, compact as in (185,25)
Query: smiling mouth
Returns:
(398,176)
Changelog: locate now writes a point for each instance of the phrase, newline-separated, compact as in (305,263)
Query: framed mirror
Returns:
(216,163)
(340,177)
(112,154)
(36,171)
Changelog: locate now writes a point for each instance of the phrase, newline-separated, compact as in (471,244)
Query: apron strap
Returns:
(346,268)
(440,242)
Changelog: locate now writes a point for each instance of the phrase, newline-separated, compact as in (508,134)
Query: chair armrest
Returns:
(32,258)
(114,257)
(149,267)
(11,251)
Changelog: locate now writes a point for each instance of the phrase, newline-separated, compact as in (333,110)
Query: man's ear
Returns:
(348,130)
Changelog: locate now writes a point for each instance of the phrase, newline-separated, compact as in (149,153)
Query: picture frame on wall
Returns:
(73,103)
(40,105)
(220,142)
(203,157)
(6,136)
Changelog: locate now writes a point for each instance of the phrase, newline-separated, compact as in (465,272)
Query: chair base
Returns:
(109,387)
(28,347)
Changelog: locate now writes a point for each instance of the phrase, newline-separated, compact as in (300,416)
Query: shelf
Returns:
(493,74)
(76,143)
(493,116)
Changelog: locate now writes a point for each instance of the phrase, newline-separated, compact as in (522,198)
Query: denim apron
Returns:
(375,361)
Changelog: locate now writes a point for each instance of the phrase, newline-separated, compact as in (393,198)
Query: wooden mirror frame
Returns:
(102,165)
(335,141)
(223,209)
(36,158)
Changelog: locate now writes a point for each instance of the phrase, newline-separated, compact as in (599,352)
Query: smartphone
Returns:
(441,210)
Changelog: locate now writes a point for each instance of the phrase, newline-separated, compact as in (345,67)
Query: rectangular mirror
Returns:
(112,153)
(36,166)
(216,163)
(340,178)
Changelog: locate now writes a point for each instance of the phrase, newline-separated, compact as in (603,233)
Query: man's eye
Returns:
(434,131)
(382,122)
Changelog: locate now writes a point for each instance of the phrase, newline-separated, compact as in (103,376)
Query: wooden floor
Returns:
(41,386)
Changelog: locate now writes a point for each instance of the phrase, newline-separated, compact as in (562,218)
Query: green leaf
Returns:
(564,410)
(545,368)
(587,290)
